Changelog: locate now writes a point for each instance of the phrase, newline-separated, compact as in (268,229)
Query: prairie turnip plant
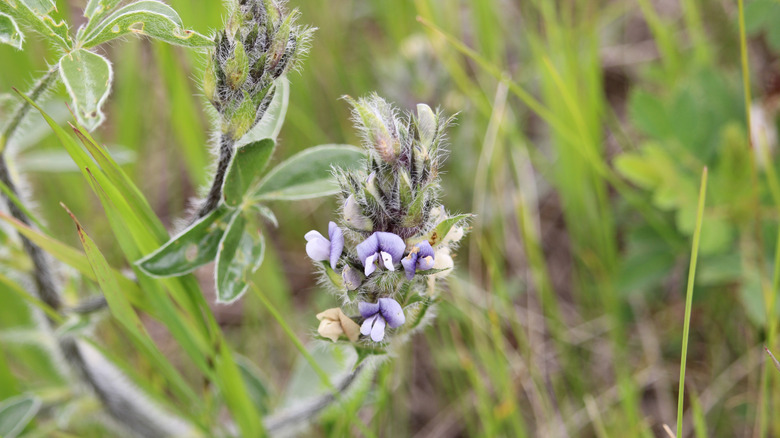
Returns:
(393,239)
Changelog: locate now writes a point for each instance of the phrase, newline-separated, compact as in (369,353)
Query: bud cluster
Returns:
(394,238)
(259,44)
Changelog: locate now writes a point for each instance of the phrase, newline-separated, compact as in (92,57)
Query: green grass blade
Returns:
(689,299)
(74,258)
(17,290)
(123,311)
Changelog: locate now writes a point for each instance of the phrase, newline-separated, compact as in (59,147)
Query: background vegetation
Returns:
(582,134)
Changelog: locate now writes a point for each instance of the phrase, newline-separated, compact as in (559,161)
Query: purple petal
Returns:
(409,262)
(368,309)
(367,247)
(387,260)
(318,249)
(370,265)
(368,324)
(392,312)
(425,248)
(336,243)
(313,235)
(378,330)
(391,244)
(425,263)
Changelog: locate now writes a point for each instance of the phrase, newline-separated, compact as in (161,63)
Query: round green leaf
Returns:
(308,174)
(87,76)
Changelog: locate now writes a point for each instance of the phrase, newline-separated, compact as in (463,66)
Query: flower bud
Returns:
(380,132)
(334,323)
(442,260)
(352,277)
(453,236)
(242,120)
(209,82)
(427,126)
(354,216)
(237,67)
(260,43)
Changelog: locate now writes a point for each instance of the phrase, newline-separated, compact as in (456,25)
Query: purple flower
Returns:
(419,258)
(380,249)
(385,312)
(320,248)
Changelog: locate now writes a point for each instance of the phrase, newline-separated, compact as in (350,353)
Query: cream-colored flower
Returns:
(334,323)
(442,260)
(454,235)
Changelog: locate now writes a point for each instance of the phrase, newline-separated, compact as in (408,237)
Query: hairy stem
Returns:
(211,202)
(303,414)
(44,279)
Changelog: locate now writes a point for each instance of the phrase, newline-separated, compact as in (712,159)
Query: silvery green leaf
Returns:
(240,254)
(245,170)
(9,32)
(273,119)
(33,14)
(193,247)
(16,413)
(266,213)
(40,6)
(147,17)
(96,8)
(94,11)
(87,77)
(307,174)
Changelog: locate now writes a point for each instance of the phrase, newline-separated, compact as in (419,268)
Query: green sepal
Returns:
(334,277)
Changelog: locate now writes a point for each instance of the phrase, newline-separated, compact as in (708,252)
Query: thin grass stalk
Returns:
(689,299)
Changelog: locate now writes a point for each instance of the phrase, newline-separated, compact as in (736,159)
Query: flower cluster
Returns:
(393,238)
(259,44)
